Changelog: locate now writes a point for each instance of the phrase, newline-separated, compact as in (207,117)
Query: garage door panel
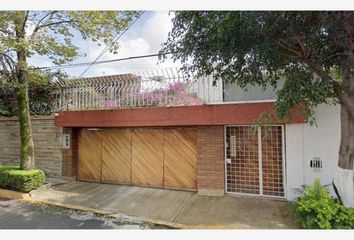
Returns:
(89,159)
(116,156)
(180,158)
(147,157)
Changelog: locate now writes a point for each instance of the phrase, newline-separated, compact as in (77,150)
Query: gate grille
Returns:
(254,159)
(272,161)
(243,171)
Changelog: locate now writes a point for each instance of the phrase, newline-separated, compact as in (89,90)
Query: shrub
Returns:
(315,208)
(13,178)
(41,92)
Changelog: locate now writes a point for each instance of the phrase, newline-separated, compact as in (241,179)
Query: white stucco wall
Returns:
(304,142)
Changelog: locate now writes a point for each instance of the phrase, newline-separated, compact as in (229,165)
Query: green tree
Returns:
(313,51)
(42,93)
(48,33)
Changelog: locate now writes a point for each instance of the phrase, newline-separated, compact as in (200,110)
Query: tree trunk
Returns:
(346,150)
(21,89)
(345,176)
(27,147)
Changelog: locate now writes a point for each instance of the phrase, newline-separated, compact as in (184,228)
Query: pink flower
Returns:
(176,93)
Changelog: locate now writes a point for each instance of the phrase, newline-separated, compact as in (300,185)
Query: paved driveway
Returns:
(133,201)
(16,214)
(171,206)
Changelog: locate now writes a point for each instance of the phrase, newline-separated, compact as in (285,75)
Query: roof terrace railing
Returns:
(154,88)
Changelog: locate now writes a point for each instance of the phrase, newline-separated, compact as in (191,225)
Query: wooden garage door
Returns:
(116,156)
(147,157)
(89,161)
(180,158)
(164,158)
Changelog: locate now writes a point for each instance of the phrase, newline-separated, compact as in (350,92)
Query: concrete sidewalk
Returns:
(173,208)
(19,214)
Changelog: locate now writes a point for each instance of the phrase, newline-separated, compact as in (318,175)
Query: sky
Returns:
(144,37)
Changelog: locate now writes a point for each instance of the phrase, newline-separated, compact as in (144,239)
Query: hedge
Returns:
(13,178)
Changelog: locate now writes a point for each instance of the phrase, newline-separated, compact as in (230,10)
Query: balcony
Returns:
(157,88)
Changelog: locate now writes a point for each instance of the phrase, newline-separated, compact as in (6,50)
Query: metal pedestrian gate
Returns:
(254,160)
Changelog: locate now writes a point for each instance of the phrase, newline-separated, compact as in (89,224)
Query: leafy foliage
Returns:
(50,33)
(306,48)
(315,208)
(41,94)
(13,178)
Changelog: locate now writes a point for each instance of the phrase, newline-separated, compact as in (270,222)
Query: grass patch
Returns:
(13,178)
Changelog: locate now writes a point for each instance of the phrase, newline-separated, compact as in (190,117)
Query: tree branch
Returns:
(24,22)
(285,46)
(55,23)
(49,14)
(324,75)
(305,53)
(8,63)
(337,54)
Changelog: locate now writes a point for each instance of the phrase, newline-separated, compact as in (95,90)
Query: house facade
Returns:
(165,130)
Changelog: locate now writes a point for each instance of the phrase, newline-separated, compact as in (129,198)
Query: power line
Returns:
(100,62)
(114,39)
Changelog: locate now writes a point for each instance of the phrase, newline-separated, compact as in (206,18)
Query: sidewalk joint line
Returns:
(182,208)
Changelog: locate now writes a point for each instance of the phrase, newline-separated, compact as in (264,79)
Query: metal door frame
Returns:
(259,162)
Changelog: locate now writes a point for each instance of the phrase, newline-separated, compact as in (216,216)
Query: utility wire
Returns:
(114,39)
(100,62)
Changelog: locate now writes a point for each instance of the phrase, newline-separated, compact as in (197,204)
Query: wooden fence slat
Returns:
(89,160)
(116,156)
(180,159)
(147,157)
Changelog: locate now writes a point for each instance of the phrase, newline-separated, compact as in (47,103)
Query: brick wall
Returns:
(47,140)
(56,161)
(210,172)
(70,155)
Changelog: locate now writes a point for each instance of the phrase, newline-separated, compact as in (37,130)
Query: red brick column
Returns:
(210,172)
(70,155)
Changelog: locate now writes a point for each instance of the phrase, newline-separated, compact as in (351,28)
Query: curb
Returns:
(9,194)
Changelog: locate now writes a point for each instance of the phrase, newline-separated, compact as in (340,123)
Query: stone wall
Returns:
(47,140)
